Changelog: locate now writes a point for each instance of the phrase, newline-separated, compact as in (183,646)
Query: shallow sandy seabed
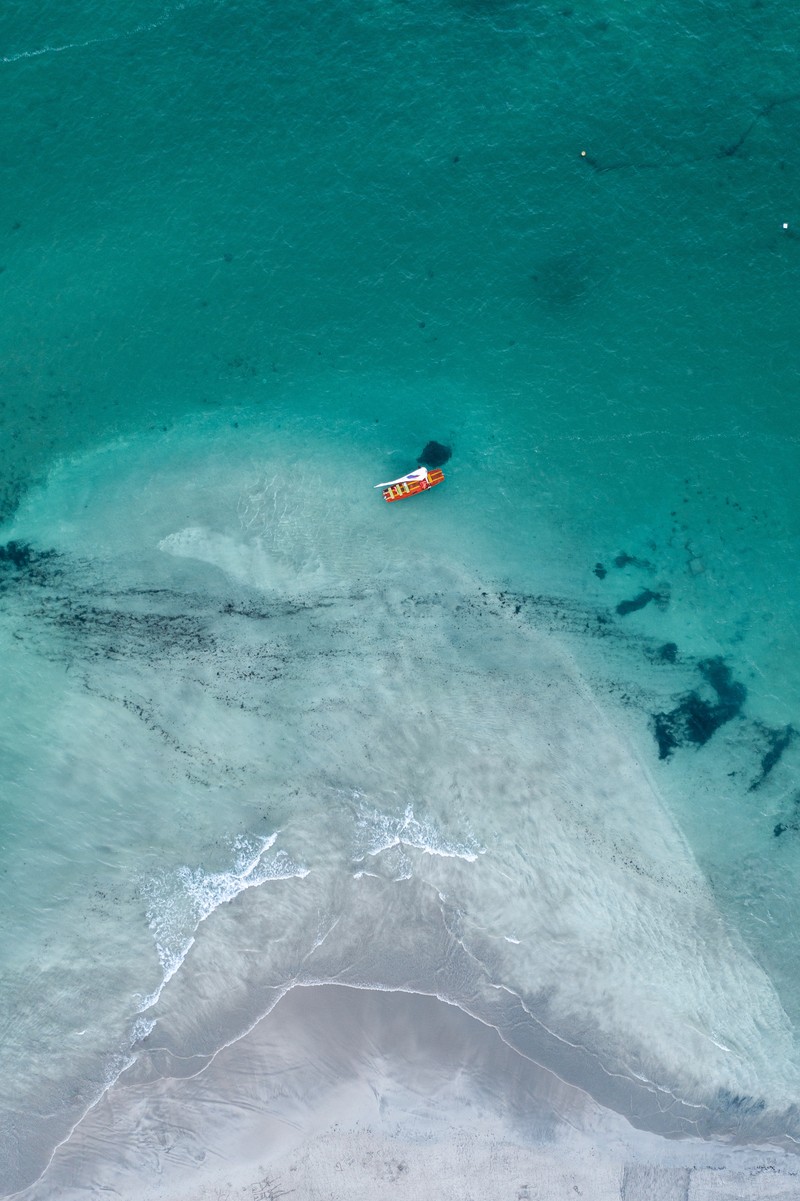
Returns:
(343,1093)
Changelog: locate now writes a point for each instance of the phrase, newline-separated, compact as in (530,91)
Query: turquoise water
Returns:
(254,258)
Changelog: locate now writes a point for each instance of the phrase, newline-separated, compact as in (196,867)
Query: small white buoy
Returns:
(786,225)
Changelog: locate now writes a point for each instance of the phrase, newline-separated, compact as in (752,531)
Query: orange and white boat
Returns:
(409,485)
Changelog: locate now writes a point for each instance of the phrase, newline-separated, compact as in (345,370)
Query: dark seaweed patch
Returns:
(600,571)
(740,1102)
(696,719)
(93,622)
(122,634)
(666,734)
(778,741)
(626,560)
(279,609)
(665,652)
(23,556)
(434,454)
(720,677)
(556,613)
(18,554)
(792,821)
(702,719)
(639,602)
(28,564)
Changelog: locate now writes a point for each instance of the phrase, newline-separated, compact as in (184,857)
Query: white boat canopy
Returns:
(419,474)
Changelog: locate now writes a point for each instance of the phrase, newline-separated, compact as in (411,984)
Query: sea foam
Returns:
(178,901)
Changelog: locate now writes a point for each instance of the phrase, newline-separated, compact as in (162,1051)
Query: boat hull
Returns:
(412,487)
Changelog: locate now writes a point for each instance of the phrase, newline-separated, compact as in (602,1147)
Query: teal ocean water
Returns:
(528,742)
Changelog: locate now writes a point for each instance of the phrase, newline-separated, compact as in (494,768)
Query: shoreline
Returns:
(617,833)
(349,1093)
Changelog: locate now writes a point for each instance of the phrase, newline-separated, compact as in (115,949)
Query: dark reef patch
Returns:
(695,719)
(639,602)
(777,742)
(600,571)
(434,454)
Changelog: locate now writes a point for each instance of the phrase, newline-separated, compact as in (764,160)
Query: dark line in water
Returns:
(728,151)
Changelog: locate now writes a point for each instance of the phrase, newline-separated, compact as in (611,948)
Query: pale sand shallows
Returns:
(358,1095)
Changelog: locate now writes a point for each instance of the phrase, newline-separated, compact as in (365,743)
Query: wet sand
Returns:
(356,1094)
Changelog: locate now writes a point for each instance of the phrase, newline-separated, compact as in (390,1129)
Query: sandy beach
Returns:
(354,1095)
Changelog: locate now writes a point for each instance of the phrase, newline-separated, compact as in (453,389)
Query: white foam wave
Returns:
(143,27)
(250,562)
(380,832)
(141,1028)
(179,901)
